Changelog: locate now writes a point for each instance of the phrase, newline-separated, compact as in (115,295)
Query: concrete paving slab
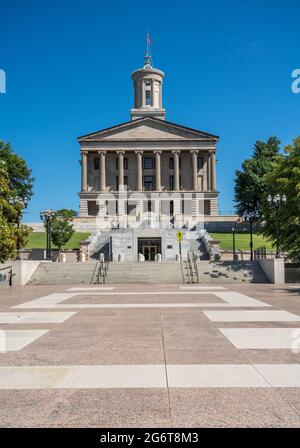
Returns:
(261,338)
(251,316)
(280,375)
(35,317)
(15,340)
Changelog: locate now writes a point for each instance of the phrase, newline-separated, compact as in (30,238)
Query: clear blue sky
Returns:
(228,71)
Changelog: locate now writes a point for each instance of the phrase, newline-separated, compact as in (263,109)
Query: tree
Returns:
(250,183)
(284,178)
(20,179)
(62,227)
(10,235)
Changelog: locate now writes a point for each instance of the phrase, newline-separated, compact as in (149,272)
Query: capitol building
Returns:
(143,180)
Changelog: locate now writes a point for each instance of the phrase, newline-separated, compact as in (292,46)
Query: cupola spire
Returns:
(148,58)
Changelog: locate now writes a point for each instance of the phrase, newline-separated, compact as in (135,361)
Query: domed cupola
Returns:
(147,82)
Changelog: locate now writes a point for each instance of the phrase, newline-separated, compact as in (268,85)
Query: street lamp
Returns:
(251,217)
(233,239)
(277,201)
(47,216)
(22,203)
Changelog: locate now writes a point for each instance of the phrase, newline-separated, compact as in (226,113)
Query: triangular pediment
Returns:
(147,128)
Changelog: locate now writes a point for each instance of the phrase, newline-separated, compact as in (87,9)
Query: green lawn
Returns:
(37,240)
(242,241)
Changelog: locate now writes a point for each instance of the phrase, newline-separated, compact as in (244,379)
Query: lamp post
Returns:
(251,217)
(22,203)
(277,201)
(47,216)
(233,239)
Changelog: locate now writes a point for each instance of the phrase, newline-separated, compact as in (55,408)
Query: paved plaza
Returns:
(150,355)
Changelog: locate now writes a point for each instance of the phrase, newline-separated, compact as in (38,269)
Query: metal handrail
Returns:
(192,267)
(182,270)
(94,272)
(260,253)
(102,272)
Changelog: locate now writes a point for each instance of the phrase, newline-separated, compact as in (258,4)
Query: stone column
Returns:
(84,171)
(213,171)
(176,170)
(102,171)
(157,171)
(195,169)
(204,170)
(209,172)
(139,166)
(121,170)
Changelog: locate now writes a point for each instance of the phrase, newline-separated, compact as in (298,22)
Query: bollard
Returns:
(82,257)
(120,257)
(141,258)
(178,257)
(63,258)
(158,257)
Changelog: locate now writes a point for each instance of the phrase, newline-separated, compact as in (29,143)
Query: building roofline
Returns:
(157,120)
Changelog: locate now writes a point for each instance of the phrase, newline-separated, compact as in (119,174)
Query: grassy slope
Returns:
(242,241)
(37,240)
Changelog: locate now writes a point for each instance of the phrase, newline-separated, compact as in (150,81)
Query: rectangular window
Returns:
(182,205)
(92,208)
(131,209)
(200,163)
(171,208)
(148,163)
(171,182)
(96,164)
(148,97)
(148,183)
(206,207)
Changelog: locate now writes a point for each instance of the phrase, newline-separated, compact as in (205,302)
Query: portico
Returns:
(200,163)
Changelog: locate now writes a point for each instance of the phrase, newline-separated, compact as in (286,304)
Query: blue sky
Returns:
(227,67)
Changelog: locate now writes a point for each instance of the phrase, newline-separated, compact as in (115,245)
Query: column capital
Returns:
(101,152)
(194,151)
(120,152)
(157,151)
(139,151)
(83,152)
(176,151)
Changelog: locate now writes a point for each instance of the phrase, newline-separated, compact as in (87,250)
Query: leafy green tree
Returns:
(250,183)
(66,213)
(284,178)
(10,235)
(62,227)
(20,179)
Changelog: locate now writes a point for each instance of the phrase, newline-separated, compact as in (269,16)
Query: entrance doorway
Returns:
(149,247)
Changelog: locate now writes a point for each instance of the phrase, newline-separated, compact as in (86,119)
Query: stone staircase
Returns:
(147,272)
(228,272)
(49,273)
